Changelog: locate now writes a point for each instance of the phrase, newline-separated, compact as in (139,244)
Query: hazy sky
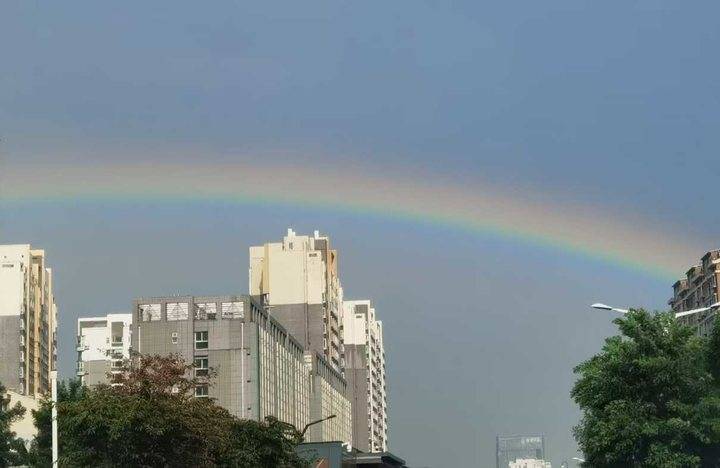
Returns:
(611,105)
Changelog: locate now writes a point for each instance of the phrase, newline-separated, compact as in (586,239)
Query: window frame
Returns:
(200,341)
(198,369)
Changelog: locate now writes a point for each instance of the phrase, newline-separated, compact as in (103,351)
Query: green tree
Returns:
(40,454)
(648,398)
(266,444)
(12,449)
(149,417)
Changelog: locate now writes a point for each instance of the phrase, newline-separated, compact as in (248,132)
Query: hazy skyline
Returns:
(602,117)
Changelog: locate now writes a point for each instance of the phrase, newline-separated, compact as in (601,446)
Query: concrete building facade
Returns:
(299,278)
(698,289)
(328,397)
(365,374)
(28,320)
(103,344)
(259,368)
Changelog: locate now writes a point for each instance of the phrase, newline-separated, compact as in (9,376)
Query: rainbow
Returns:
(517,216)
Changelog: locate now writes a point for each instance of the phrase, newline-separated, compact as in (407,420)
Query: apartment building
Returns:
(28,320)
(103,344)
(698,289)
(299,279)
(260,368)
(365,374)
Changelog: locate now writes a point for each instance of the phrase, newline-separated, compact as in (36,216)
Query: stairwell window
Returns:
(201,391)
(201,340)
(201,367)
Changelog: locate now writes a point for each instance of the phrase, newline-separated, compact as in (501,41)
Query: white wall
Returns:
(96,336)
(25,427)
(14,259)
(289,271)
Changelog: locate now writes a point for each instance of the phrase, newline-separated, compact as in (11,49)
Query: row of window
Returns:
(175,311)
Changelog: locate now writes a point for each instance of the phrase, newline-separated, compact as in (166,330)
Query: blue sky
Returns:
(611,105)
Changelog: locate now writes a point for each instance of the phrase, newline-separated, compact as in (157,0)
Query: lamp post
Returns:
(302,434)
(53,396)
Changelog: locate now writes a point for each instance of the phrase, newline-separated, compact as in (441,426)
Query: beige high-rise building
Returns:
(28,320)
(698,289)
(365,374)
(300,282)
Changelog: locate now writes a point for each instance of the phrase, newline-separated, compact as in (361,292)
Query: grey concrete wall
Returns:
(356,375)
(232,351)
(304,322)
(10,352)
(96,372)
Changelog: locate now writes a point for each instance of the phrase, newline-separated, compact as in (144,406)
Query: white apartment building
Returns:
(299,279)
(365,374)
(28,320)
(103,344)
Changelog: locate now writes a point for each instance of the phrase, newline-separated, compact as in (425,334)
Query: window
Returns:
(177,311)
(201,367)
(201,340)
(174,337)
(150,312)
(201,391)
(232,310)
(206,311)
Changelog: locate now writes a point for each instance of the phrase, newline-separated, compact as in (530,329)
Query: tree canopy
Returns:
(12,449)
(149,417)
(650,398)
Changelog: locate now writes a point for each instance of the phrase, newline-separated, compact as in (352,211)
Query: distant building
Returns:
(530,463)
(261,369)
(103,344)
(28,320)
(512,448)
(299,278)
(334,455)
(365,374)
(698,289)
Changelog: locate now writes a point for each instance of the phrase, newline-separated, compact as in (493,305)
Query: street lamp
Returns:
(715,306)
(53,396)
(302,434)
(601,306)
